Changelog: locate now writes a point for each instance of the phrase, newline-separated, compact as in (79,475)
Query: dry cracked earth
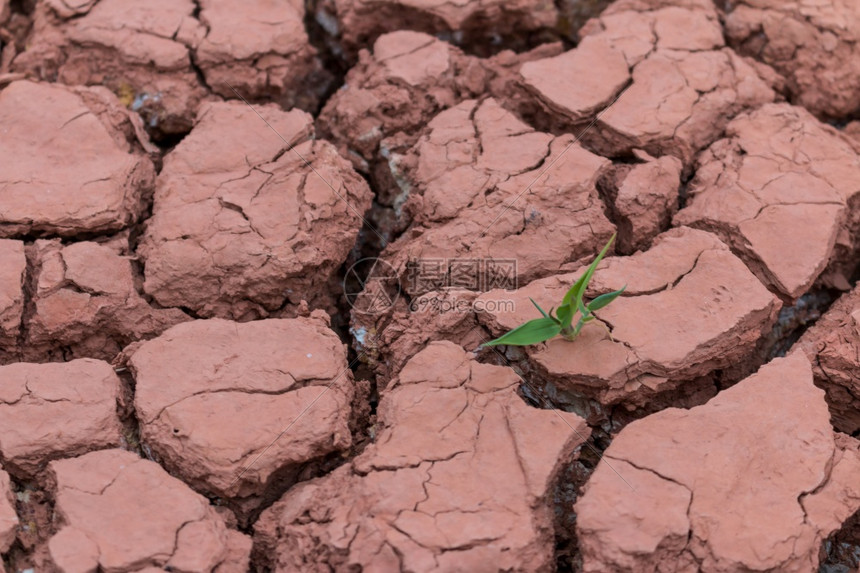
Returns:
(249,253)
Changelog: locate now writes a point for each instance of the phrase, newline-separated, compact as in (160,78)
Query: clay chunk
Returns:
(8,516)
(816,46)
(682,85)
(414,75)
(213,398)
(406,81)
(56,410)
(138,50)
(247,218)
(780,178)
(13,266)
(355,24)
(118,512)
(259,49)
(690,307)
(458,477)
(726,486)
(68,167)
(86,304)
(643,197)
(478,184)
(833,346)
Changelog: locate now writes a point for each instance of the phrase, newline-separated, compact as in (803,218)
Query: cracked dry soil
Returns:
(194,379)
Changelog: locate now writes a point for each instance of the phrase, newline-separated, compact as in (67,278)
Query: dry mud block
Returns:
(475,182)
(408,79)
(13,267)
(54,410)
(642,198)
(776,190)
(139,50)
(86,304)
(754,480)
(70,162)
(213,396)
(242,224)
(691,307)
(833,347)
(355,24)
(261,49)
(458,477)
(8,516)
(815,45)
(684,84)
(386,341)
(117,512)
(146,53)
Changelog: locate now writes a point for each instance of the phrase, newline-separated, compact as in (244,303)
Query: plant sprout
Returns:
(542,329)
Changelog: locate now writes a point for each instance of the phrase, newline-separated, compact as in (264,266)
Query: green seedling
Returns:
(561,322)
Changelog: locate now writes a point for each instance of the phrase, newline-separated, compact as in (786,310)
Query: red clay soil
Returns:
(479,24)
(71,163)
(833,347)
(780,177)
(681,500)
(458,478)
(283,218)
(195,378)
(163,57)
(687,278)
(672,57)
(209,392)
(117,512)
(56,410)
(815,46)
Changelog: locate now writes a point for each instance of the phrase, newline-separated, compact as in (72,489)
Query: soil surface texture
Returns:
(254,255)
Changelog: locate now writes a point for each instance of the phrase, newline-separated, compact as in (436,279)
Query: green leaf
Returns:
(565,315)
(586,278)
(537,306)
(604,299)
(572,290)
(531,332)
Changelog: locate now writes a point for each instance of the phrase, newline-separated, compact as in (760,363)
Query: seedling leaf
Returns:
(586,278)
(537,306)
(565,315)
(532,332)
(568,296)
(542,329)
(604,299)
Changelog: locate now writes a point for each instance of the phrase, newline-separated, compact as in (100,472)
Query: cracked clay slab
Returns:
(407,79)
(690,307)
(212,396)
(458,477)
(243,225)
(117,512)
(357,23)
(70,162)
(86,304)
(833,346)
(815,45)
(726,486)
(13,266)
(8,515)
(683,84)
(138,50)
(56,410)
(476,184)
(776,190)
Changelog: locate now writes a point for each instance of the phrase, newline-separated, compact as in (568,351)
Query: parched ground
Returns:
(250,253)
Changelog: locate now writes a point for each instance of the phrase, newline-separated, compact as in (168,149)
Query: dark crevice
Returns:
(840,553)
(328,53)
